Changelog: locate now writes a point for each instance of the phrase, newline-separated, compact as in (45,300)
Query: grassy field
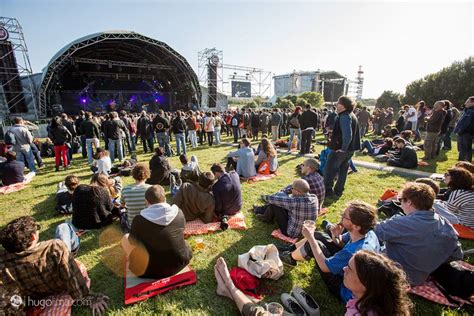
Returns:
(101,253)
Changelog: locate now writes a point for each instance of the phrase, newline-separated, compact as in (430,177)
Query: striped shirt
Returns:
(461,204)
(133,196)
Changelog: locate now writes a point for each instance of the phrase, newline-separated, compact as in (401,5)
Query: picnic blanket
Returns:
(198,227)
(323,211)
(431,292)
(464,231)
(17,186)
(260,177)
(138,289)
(279,235)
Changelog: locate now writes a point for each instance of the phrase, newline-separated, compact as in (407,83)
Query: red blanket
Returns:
(197,227)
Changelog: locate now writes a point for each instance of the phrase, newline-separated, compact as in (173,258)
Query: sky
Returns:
(395,42)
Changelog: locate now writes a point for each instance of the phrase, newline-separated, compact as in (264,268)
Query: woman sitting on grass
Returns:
(102,163)
(378,284)
(245,159)
(267,153)
(461,196)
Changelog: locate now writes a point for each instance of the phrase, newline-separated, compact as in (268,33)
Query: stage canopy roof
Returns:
(121,55)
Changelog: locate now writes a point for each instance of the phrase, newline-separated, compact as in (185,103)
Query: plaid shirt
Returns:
(44,270)
(300,208)
(316,186)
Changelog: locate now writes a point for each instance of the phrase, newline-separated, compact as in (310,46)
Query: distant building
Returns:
(330,84)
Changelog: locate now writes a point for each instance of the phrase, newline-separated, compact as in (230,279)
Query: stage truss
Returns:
(261,80)
(20,51)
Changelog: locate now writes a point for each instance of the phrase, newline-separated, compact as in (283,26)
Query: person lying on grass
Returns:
(35,270)
(155,247)
(333,250)
(291,210)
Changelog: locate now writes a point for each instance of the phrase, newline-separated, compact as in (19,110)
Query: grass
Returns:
(101,253)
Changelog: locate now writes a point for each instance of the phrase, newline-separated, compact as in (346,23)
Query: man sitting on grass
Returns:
(196,200)
(291,210)
(422,240)
(35,270)
(155,247)
(332,253)
(407,158)
(226,190)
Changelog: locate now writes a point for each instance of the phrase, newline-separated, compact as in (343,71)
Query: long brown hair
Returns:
(385,283)
(101,180)
(268,148)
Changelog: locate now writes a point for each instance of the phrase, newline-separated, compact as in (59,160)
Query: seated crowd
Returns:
(367,264)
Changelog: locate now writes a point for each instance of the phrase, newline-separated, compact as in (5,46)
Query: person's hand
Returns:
(99,303)
(308,232)
(336,230)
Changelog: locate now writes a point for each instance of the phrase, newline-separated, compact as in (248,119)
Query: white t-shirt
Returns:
(412,111)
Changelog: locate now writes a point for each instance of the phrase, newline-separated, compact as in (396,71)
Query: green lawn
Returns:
(101,252)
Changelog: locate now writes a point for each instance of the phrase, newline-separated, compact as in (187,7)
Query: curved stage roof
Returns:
(120,55)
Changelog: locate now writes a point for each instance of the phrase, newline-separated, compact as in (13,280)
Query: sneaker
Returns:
(284,248)
(292,305)
(264,198)
(286,258)
(306,301)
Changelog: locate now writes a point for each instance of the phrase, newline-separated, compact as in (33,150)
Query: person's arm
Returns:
(234,153)
(346,128)
(320,258)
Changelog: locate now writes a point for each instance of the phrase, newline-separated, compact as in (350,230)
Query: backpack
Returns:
(295,122)
(10,138)
(235,122)
(453,279)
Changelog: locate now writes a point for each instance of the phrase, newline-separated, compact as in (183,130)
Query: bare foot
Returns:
(221,267)
(221,287)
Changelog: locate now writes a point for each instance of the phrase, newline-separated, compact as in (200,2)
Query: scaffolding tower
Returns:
(14,66)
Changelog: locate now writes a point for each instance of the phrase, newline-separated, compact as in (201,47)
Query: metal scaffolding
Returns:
(20,54)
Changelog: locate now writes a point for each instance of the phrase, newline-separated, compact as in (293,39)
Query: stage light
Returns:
(83,100)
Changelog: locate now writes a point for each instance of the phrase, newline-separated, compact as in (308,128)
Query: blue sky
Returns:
(395,42)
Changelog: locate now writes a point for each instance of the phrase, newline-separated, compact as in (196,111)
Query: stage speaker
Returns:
(10,79)
(212,81)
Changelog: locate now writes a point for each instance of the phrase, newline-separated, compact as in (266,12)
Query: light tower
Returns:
(360,83)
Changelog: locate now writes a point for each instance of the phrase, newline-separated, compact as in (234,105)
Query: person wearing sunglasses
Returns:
(422,240)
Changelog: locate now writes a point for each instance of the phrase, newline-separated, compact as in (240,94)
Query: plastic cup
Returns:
(309,224)
(199,243)
(275,309)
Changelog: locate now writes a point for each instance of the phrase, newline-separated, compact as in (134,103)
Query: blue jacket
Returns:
(465,124)
(227,194)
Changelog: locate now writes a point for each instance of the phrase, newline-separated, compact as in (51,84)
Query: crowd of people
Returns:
(360,258)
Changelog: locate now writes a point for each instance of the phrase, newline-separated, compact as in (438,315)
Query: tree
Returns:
(284,104)
(314,98)
(301,102)
(389,99)
(250,105)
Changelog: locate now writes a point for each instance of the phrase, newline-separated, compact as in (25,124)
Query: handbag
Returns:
(264,167)
(262,262)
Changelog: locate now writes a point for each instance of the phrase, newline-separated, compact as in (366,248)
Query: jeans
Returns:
(293,132)
(90,150)
(83,146)
(67,233)
(465,147)
(337,164)
(164,142)
(306,141)
(180,143)
(113,144)
(362,130)
(210,138)
(370,148)
(217,135)
(193,138)
(36,154)
(235,132)
(26,156)
(147,141)
(447,138)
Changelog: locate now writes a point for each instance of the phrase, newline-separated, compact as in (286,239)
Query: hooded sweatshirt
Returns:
(158,234)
